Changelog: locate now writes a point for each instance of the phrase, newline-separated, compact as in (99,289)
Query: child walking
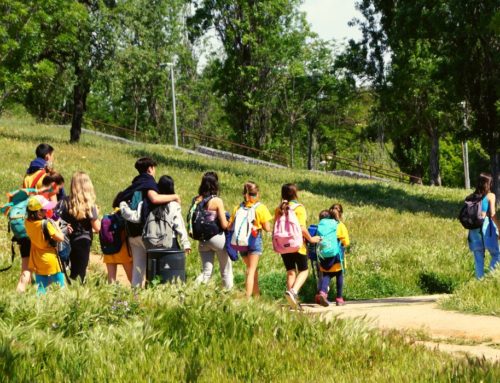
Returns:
(80,211)
(335,239)
(295,262)
(43,260)
(253,215)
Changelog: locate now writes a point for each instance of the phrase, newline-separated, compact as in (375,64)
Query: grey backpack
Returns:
(159,230)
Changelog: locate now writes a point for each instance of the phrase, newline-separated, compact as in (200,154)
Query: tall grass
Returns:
(403,237)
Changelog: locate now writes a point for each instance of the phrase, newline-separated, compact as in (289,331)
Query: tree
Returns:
(36,37)
(260,38)
(463,41)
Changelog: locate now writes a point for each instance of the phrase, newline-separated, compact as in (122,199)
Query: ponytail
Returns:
(336,211)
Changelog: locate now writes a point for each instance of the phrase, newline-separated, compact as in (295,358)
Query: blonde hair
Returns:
(82,196)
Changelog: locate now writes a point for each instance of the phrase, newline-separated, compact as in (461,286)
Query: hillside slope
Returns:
(100,332)
(405,239)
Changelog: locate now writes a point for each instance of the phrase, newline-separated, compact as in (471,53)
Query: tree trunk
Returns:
(435,173)
(135,120)
(80,91)
(310,145)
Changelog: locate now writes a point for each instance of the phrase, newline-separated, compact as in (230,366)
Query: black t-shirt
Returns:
(82,228)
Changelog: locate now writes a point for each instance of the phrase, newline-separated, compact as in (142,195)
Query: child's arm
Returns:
(130,215)
(54,232)
(181,229)
(159,199)
(343,235)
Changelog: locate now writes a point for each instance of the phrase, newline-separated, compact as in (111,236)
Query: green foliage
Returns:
(200,333)
(478,297)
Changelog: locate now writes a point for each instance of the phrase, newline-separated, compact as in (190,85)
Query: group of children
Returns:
(242,230)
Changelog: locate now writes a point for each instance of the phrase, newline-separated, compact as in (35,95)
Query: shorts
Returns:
(43,281)
(254,246)
(24,247)
(295,261)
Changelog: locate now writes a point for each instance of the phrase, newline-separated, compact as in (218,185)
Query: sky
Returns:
(329,18)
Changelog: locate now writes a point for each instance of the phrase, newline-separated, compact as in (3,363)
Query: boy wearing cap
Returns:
(43,259)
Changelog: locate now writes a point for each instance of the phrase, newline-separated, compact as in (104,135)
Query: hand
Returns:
(315,239)
(69,228)
(177,198)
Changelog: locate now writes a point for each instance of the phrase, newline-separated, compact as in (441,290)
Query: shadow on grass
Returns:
(382,196)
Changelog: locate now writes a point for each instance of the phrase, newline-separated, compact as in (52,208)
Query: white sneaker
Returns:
(292,299)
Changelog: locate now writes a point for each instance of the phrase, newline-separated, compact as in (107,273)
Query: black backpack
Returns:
(200,227)
(470,215)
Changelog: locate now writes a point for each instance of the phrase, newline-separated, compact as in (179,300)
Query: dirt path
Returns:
(476,335)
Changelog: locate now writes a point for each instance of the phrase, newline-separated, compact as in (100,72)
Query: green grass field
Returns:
(405,241)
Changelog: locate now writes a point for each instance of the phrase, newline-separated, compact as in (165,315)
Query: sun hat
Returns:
(38,202)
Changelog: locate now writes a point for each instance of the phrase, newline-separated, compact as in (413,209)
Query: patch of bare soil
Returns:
(449,331)
(121,277)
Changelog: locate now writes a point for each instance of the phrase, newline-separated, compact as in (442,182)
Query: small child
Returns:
(333,266)
(43,260)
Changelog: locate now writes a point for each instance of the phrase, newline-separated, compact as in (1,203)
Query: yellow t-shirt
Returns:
(262,214)
(29,178)
(43,257)
(300,212)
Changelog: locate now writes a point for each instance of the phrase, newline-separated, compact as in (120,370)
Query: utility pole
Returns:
(171,66)
(465,150)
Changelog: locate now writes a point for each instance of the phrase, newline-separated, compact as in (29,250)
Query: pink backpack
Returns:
(287,233)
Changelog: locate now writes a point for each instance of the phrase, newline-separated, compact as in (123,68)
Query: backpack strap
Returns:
(46,235)
(40,174)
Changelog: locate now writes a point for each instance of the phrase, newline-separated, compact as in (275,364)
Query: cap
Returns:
(38,202)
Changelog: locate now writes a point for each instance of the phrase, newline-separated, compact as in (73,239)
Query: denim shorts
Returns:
(254,246)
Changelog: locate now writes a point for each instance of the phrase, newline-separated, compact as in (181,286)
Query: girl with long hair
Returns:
(208,248)
(295,263)
(81,212)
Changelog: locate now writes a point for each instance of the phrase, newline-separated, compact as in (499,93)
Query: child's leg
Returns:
(58,279)
(79,256)
(325,282)
(128,270)
(479,263)
(42,281)
(251,283)
(340,283)
(111,267)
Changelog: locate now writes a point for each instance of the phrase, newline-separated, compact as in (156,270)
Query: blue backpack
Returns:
(329,247)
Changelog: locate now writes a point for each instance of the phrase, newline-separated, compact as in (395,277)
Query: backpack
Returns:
(63,248)
(159,231)
(242,226)
(134,229)
(287,233)
(15,210)
(329,247)
(200,227)
(470,215)
(110,235)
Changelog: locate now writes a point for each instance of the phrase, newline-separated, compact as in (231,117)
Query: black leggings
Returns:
(79,257)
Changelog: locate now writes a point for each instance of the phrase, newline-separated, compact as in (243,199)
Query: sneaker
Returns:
(339,301)
(316,299)
(292,299)
(323,299)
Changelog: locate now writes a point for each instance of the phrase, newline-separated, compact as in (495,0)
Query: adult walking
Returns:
(212,230)
(486,237)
